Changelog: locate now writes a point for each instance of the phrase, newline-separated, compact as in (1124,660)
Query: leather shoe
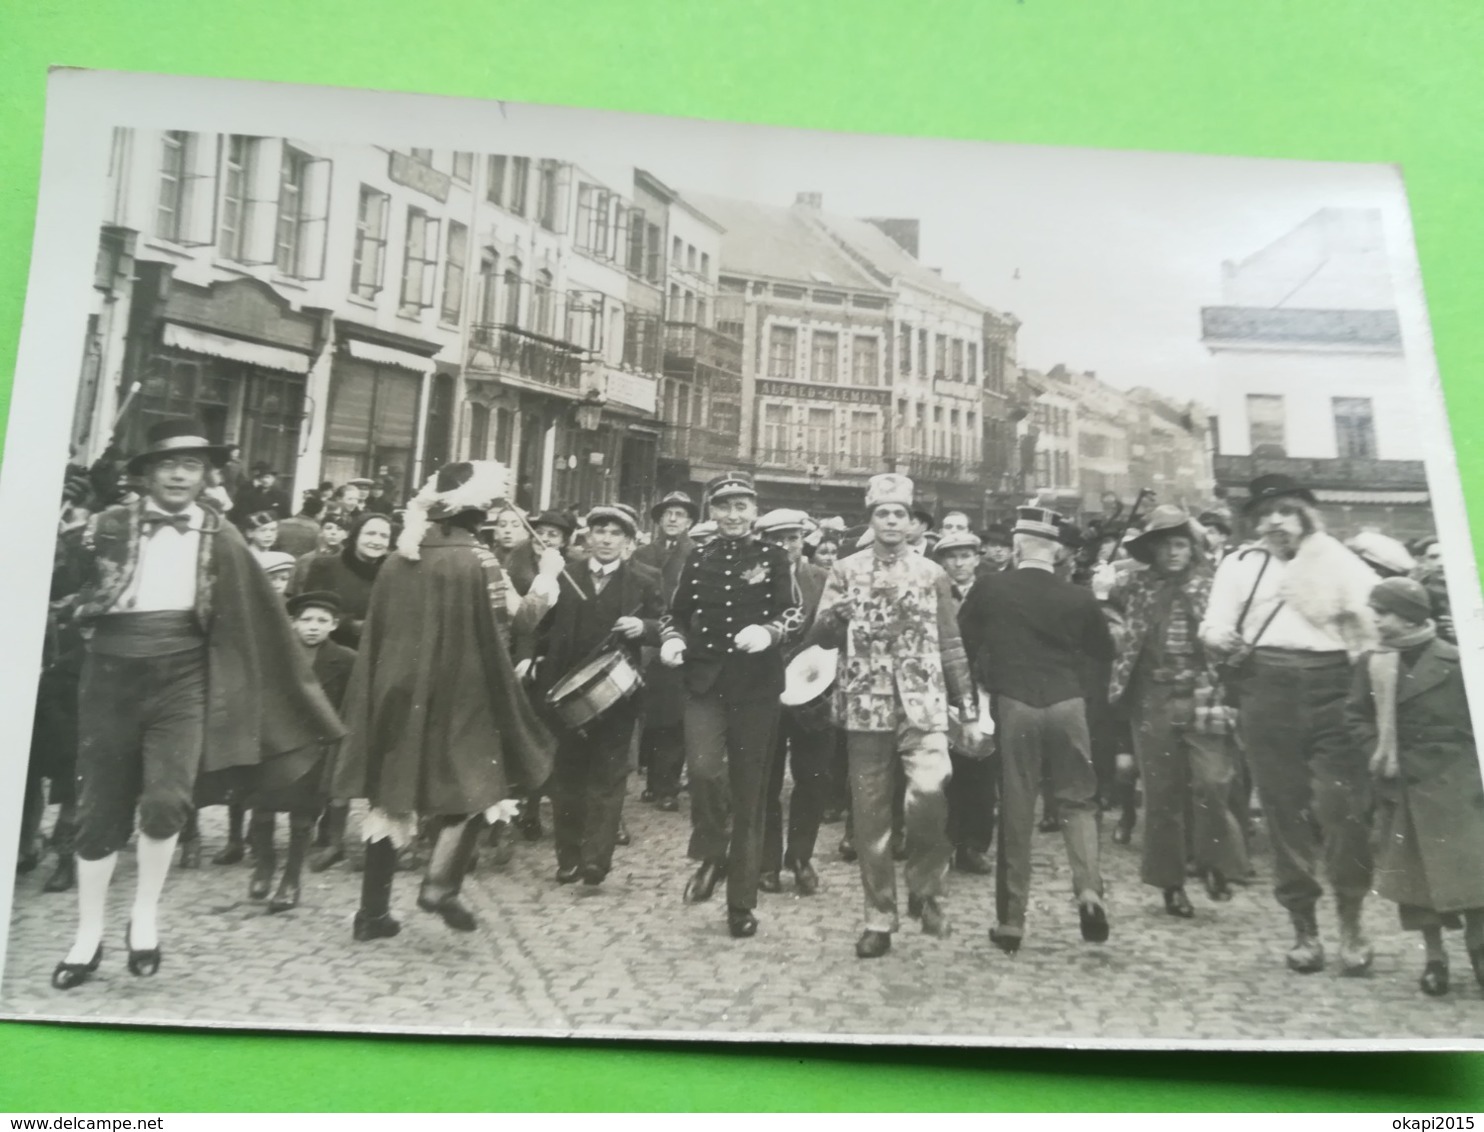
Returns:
(1435,978)
(260,886)
(806,880)
(1094,922)
(934,921)
(847,849)
(872,945)
(367,928)
(1356,955)
(647,795)
(142,961)
(970,860)
(669,804)
(741,923)
(286,899)
(700,886)
(1306,956)
(624,837)
(593,875)
(569,874)
(231,854)
(1123,832)
(190,853)
(64,877)
(452,909)
(1217,886)
(1178,904)
(1006,941)
(66,975)
(769,882)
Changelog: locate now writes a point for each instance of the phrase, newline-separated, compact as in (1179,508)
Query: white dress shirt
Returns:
(1290,629)
(602,573)
(166,575)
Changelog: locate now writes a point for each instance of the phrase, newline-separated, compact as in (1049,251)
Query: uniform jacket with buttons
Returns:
(901,654)
(725,586)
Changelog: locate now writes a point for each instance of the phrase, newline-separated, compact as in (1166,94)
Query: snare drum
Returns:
(594,689)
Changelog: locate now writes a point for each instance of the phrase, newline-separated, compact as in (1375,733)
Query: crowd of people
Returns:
(451,661)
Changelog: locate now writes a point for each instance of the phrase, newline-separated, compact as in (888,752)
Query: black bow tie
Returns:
(181,522)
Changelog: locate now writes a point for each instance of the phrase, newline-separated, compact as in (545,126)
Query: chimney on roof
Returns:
(903,233)
(810,200)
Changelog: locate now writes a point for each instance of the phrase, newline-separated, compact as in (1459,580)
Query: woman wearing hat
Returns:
(1408,711)
(1158,672)
(439,725)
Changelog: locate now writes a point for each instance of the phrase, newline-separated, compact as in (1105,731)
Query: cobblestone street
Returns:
(631,957)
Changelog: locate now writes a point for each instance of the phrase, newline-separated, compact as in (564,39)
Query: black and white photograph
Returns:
(503,570)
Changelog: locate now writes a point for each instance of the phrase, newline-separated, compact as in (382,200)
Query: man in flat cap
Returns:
(805,745)
(1290,614)
(1030,635)
(735,607)
(891,613)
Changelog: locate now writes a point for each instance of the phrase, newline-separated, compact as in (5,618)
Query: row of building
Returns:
(363,311)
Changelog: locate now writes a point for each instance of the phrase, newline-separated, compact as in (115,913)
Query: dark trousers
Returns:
(807,753)
(1187,787)
(972,794)
(587,790)
(142,726)
(1031,738)
(728,747)
(662,753)
(1313,780)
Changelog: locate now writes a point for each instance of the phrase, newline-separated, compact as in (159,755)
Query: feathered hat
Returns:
(468,485)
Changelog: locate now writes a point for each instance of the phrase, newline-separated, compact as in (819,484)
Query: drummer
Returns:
(806,746)
(620,610)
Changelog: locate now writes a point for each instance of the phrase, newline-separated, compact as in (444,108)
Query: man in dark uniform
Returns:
(806,748)
(1029,636)
(617,600)
(735,606)
(662,746)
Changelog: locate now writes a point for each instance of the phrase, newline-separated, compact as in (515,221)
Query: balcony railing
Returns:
(688,442)
(509,349)
(688,341)
(1339,474)
(944,469)
(832,463)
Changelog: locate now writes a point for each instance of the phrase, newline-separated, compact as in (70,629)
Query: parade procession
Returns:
(414,686)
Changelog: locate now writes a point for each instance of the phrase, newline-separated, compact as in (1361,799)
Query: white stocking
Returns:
(92,899)
(154,857)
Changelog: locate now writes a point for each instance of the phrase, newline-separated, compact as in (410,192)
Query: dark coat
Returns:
(664,688)
(262,700)
(1430,820)
(811,580)
(250,500)
(575,628)
(1029,635)
(352,584)
(669,561)
(439,723)
(332,668)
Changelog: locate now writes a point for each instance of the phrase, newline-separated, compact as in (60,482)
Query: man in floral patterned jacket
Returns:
(893,615)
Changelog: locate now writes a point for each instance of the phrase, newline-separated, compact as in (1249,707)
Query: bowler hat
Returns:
(315,599)
(176,436)
(1166,519)
(1275,486)
(558,519)
(675,499)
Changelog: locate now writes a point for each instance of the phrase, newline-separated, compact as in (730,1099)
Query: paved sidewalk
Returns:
(631,957)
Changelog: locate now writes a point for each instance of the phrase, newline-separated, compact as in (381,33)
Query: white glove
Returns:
(522,668)
(752,638)
(672,652)
(1103,579)
(550,563)
(629,627)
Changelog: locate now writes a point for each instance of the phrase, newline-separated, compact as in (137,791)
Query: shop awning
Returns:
(388,356)
(234,349)
(1399,498)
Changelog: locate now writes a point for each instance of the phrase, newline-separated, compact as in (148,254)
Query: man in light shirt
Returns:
(1294,609)
(191,673)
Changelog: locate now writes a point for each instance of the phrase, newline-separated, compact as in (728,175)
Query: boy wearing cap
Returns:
(616,601)
(663,742)
(1293,610)
(735,606)
(806,750)
(891,613)
(1030,636)
(1408,711)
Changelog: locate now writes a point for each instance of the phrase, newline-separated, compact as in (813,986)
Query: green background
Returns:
(1351,80)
